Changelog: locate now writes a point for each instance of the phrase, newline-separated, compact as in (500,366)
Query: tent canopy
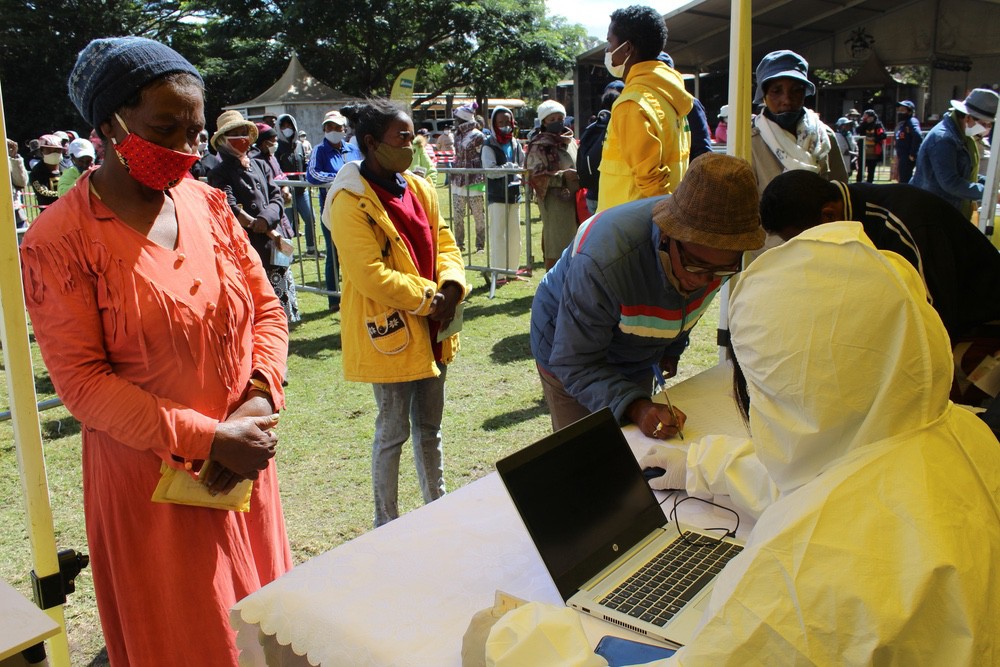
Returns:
(295,86)
(872,74)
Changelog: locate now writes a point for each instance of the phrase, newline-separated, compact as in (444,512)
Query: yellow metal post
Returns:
(740,80)
(740,98)
(24,413)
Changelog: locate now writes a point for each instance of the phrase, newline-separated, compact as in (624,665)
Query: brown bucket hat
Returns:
(716,205)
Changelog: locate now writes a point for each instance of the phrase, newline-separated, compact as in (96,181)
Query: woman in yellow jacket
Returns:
(403,278)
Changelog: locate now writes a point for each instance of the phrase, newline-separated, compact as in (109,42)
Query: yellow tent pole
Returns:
(740,92)
(740,81)
(21,388)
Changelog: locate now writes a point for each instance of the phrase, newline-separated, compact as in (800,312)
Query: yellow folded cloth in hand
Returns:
(181,488)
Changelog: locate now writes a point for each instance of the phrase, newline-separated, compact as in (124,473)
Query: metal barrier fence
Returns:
(490,268)
(31,209)
(885,166)
(301,256)
(483,263)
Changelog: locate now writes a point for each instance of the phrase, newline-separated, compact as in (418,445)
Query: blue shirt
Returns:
(327,159)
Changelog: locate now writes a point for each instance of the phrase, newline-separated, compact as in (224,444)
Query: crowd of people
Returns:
(162,306)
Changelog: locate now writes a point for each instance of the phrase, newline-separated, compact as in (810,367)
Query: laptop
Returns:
(603,536)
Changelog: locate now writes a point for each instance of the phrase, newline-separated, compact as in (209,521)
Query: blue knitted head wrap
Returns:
(109,71)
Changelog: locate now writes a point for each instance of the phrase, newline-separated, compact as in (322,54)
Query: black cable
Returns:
(700,543)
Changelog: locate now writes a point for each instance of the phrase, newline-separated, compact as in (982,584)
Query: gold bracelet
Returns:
(260,386)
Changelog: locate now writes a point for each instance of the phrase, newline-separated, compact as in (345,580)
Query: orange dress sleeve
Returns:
(62,302)
(127,347)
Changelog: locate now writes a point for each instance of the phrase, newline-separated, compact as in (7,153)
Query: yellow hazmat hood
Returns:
(827,373)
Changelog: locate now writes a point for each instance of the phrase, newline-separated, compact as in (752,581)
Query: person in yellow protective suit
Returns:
(879,546)
(648,141)
(878,498)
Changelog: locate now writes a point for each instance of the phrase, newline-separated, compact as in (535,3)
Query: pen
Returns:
(658,376)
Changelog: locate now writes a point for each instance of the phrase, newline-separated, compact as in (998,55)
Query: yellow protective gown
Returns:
(879,525)
(881,545)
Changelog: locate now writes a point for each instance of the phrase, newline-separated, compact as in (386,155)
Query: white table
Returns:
(22,623)
(404,594)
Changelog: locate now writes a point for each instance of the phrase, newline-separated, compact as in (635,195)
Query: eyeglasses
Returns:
(691,265)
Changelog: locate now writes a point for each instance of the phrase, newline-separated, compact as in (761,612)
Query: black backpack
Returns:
(588,156)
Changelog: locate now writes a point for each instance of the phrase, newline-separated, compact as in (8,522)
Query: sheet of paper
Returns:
(455,325)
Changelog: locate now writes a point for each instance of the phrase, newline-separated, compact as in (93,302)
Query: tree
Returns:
(488,47)
(517,52)
(359,46)
(39,43)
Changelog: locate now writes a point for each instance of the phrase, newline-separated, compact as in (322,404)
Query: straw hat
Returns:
(716,205)
(230,120)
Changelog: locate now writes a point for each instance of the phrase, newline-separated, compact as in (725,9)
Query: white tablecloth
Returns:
(22,624)
(404,594)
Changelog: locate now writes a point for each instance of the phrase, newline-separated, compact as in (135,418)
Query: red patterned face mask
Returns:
(154,166)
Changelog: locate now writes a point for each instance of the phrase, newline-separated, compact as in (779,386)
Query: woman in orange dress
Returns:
(164,338)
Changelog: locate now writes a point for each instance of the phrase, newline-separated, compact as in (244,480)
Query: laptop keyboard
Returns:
(670,579)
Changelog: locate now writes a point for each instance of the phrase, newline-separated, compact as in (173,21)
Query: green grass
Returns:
(494,407)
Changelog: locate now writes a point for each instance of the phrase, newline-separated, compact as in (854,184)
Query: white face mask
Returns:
(617,71)
(52,158)
(975,129)
(334,137)
(288,132)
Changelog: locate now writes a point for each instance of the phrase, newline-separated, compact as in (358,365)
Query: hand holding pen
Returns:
(678,417)
(656,420)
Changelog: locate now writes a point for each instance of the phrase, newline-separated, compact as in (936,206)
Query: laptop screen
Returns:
(582,497)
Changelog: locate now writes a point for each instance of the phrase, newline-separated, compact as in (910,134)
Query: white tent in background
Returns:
(299,93)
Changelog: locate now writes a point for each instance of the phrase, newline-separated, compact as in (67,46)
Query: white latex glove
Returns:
(672,459)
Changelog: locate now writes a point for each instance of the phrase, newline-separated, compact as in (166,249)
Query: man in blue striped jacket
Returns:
(629,289)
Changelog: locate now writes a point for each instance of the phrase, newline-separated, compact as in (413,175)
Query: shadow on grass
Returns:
(43,385)
(511,349)
(313,348)
(508,419)
(100,660)
(518,306)
(322,314)
(54,429)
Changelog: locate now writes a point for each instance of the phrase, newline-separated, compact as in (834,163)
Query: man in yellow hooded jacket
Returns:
(648,142)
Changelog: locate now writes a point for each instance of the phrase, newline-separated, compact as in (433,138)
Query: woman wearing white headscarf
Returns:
(786,135)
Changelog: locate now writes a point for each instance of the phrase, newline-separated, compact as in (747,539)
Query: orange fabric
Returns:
(149,348)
